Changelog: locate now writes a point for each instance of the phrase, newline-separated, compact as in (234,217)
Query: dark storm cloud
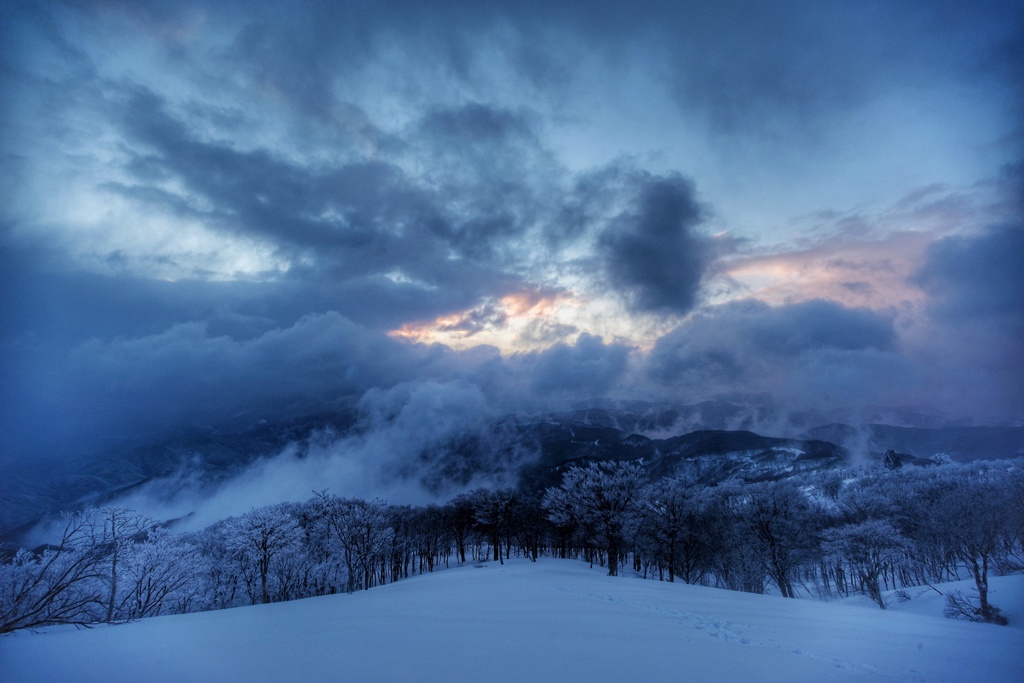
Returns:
(359,208)
(138,389)
(486,170)
(652,253)
(490,183)
(186,369)
(750,344)
(489,164)
(751,67)
(969,277)
(135,391)
(793,329)
(302,54)
(975,320)
(784,69)
(350,224)
(58,306)
(588,368)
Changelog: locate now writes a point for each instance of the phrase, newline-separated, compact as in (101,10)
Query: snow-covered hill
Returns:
(556,620)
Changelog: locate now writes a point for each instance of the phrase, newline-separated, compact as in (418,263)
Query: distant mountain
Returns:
(751,412)
(963,444)
(757,414)
(707,456)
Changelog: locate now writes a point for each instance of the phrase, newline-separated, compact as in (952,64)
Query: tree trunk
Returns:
(613,557)
(672,561)
(874,590)
(113,584)
(981,581)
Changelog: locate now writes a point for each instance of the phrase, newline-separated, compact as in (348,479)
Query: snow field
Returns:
(556,620)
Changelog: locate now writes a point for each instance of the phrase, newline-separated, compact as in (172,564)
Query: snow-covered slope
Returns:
(551,621)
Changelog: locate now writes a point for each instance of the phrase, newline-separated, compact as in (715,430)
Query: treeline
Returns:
(824,535)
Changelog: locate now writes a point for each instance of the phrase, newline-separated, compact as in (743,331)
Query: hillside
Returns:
(553,620)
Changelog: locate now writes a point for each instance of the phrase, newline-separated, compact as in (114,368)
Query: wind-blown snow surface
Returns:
(550,621)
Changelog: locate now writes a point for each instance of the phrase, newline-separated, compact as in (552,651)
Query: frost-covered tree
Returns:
(558,510)
(780,518)
(222,575)
(891,461)
(869,549)
(110,564)
(259,539)
(974,515)
(60,584)
(733,550)
(492,511)
(161,574)
(361,530)
(670,521)
(529,526)
(460,518)
(604,500)
(115,531)
(429,536)
(1015,520)
(327,574)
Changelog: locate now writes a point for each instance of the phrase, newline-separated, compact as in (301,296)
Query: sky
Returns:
(224,212)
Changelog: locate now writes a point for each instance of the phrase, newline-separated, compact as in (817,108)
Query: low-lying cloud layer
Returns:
(414,443)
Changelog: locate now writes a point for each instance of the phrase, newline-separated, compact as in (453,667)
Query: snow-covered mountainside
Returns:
(554,620)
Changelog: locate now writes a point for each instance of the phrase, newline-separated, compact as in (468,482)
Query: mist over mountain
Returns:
(430,443)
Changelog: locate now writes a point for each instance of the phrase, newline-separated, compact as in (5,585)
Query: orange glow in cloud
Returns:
(870,274)
(517,322)
(864,259)
(532,303)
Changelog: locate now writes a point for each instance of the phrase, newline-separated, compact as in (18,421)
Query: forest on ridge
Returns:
(822,535)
